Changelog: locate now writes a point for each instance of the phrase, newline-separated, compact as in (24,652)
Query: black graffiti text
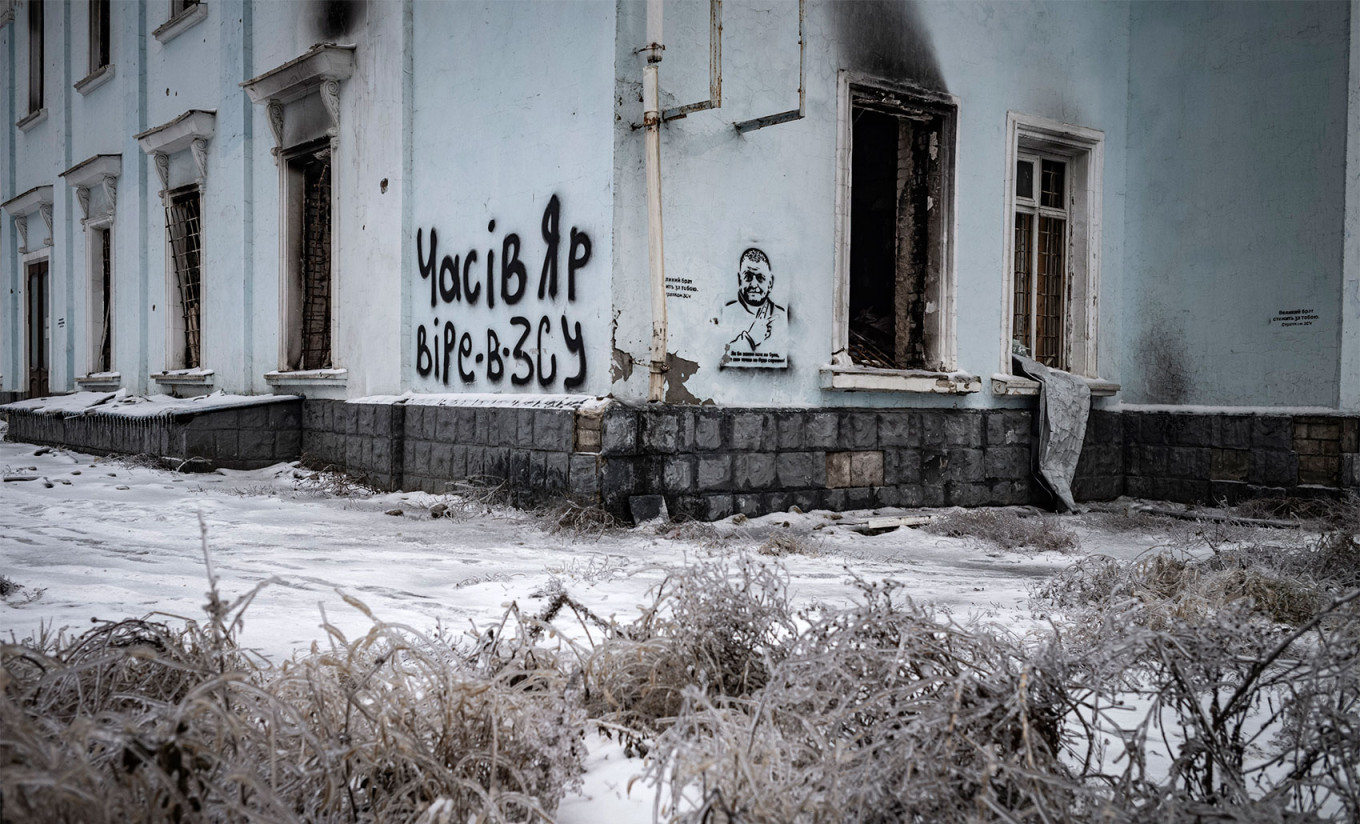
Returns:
(526,352)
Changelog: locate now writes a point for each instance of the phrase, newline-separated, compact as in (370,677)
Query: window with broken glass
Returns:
(901,179)
(184,228)
(1039,274)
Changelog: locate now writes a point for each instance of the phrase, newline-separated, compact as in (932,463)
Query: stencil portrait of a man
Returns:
(755,325)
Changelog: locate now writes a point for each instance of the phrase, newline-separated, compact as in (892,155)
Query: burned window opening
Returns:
(99,34)
(315,266)
(35,56)
(183,225)
(37,329)
(104,300)
(899,170)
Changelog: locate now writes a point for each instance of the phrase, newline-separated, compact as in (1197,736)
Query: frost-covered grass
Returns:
(1206,670)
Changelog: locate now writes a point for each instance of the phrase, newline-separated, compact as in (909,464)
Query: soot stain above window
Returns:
(887,39)
(334,18)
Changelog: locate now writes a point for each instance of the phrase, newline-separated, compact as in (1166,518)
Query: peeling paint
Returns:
(678,371)
(621,367)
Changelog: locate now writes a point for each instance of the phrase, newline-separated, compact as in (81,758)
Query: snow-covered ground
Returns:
(90,538)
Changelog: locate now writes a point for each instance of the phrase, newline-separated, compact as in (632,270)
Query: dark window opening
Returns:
(99,34)
(37,329)
(104,295)
(35,55)
(182,222)
(178,7)
(315,266)
(899,164)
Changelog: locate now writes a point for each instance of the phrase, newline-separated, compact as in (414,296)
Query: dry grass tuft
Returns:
(577,519)
(783,541)
(1007,530)
(136,721)
(879,713)
(709,626)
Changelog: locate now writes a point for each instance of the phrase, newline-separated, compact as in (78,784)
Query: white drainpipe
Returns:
(656,247)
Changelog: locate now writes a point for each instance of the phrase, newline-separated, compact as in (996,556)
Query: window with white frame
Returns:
(302,107)
(1052,247)
(894,323)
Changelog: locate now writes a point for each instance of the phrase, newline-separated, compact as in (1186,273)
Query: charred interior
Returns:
(898,174)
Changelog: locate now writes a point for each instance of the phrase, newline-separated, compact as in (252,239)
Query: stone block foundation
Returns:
(710,462)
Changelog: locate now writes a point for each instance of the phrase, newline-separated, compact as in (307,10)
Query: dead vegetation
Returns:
(1007,529)
(1177,688)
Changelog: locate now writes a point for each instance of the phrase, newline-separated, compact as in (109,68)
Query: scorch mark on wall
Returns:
(527,351)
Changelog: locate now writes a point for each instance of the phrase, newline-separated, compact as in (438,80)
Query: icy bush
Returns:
(882,712)
(134,721)
(709,626)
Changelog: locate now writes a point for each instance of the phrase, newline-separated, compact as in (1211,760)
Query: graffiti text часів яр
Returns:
(526,351)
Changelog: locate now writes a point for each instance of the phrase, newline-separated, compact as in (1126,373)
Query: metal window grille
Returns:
(106,336)
(1049,311)
(183,225)
(35,55)
(1039,270)
(316,263)
(1024,274)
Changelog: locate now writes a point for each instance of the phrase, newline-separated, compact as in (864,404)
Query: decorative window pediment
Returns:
(191,130)
(320,70)
(96,183)
(21,207)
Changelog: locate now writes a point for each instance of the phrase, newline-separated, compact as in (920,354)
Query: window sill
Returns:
(308,377)
(184,377)
(180,23)
(95,381)
(95,79)
(31,119)
(1015,386)
(860,379)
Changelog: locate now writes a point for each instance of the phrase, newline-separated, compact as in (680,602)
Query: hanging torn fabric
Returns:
(1064,405)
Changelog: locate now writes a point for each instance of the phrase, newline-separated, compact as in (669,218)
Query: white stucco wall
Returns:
(1236,169)
(512,117)
(775,188)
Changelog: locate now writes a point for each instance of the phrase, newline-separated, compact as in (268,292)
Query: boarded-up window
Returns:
(1039,277)
(35,55)
(900,171)
(183,225)
(315,266)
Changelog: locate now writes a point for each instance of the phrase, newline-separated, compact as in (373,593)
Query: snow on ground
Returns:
(102,538)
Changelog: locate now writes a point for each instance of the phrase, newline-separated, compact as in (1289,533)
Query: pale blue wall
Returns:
(1236,172)
(776,186)
(512,108)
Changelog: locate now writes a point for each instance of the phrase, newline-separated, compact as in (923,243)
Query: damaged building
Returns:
(739,254)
